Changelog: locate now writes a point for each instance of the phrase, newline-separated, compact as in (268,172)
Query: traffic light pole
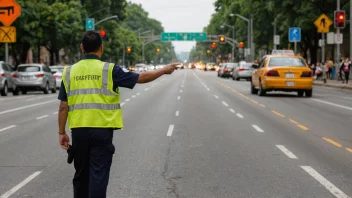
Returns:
(6,53)
(338,45)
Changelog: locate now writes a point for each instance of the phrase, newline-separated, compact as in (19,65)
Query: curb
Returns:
(334,86)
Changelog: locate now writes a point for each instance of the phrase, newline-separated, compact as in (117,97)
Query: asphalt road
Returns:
(192,134)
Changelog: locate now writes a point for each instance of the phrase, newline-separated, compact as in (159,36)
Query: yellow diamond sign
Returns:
(323,23)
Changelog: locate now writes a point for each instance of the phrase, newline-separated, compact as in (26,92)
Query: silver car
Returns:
(6,81)
(244,70)
(57,70)
(34,77)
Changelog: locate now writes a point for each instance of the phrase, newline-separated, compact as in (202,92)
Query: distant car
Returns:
(244,70)
(6,80)
(33,77)
(227,70)
(211,66)
(57,73)
(219,69)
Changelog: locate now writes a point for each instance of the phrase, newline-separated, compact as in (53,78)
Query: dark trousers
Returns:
(93,151)
(347,75)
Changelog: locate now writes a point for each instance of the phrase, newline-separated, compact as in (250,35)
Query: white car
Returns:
(57,70)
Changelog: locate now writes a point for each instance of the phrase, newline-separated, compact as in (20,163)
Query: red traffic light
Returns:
(102,33)
(213,45)
(241,44)
(340,21)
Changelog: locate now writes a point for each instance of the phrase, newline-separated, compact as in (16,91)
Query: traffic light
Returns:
(157,50)
(129,49)
(213,45)
(208,51)
(340,21)
(102,33)
(241,44)
(222,39)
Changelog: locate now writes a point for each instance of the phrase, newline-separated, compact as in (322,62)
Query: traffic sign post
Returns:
(90,25)
(323,24)
(183,36)
(10,11)
(7,34)
(294,36)
(339,38)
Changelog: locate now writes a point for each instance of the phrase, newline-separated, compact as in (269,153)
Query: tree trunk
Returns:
(313,53)
(51,57)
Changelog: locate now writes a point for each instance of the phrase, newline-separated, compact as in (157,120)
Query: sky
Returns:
(180,16)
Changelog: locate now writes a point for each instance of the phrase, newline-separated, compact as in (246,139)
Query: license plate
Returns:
(290,84)
(26,77)
(289,75)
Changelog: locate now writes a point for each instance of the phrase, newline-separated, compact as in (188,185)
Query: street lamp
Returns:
(143,44)
(250,30)
(233,37)
(107,18)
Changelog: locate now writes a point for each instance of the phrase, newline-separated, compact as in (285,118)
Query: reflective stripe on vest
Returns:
(94,106)
(104,90)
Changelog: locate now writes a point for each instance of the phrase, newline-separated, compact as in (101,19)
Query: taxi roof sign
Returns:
(282,52)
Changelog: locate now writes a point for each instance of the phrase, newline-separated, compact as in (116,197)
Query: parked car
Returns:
(6,80)
(57,73)
(244,70)
(30,77)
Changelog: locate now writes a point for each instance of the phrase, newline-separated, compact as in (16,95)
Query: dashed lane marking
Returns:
(327,184)
(287,152)
(349,150)
(20,185)
(41,117)
(293,121)
(258,128)
(217,97)
(133,96)
(138,94)
(170,130)
(277,113)
(181,91)
(178,97)
(225,104)
(303,127)
(55,113)
(6,128)
(146,89)
(262,105)
(332,142)
(177,113)
(25,107)
(122,104)
(127,99)
(239,115)
(232,111)
(332,104)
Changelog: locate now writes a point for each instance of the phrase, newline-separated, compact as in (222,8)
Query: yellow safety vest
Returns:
(92,102)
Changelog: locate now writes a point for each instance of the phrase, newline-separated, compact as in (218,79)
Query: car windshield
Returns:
(246,65)
(28,69)
(286,62)
(56,70)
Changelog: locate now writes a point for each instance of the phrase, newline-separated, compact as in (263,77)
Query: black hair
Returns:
(91,41)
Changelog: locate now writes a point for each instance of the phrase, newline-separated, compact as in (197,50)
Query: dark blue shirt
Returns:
(120,77)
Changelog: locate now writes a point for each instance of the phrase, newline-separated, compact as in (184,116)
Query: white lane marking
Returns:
(41,117)
(225,104)
(25,107)
(32,99)
(332,104)
(55,113)
(133,96)
(20,185)
(178,97)
(181,91)
(127,100)
(239,115)
(233,111)
(287,152)
(9,127)
(328,185)
(146,89)
(217,97)
(208,89)
(170,130)
(138,94)
(122,104)
(182,86)
(257,128)
(177,113)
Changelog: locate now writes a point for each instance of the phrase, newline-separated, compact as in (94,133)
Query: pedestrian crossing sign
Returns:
(323,23)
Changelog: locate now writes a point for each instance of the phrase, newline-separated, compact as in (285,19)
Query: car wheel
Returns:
(5,91)
(261,91)
(15,91)
(300,93)
(253,89)
(53,90)
(238,79)
(309,93)
(23,91)
(46,89)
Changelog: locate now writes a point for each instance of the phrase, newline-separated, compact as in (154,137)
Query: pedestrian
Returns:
(90,101)
(330,65)
(345,69)
(318,71)
(313,68)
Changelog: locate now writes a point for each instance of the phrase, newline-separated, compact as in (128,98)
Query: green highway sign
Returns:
(183,36)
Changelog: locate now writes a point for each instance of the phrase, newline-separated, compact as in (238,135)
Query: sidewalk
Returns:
(333,83)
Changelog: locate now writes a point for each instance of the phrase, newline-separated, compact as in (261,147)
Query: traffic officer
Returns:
(90,100)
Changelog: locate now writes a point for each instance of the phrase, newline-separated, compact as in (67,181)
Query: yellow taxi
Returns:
(282,71)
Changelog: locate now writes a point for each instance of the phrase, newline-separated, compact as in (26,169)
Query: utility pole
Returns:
(338,45)
(275,21)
